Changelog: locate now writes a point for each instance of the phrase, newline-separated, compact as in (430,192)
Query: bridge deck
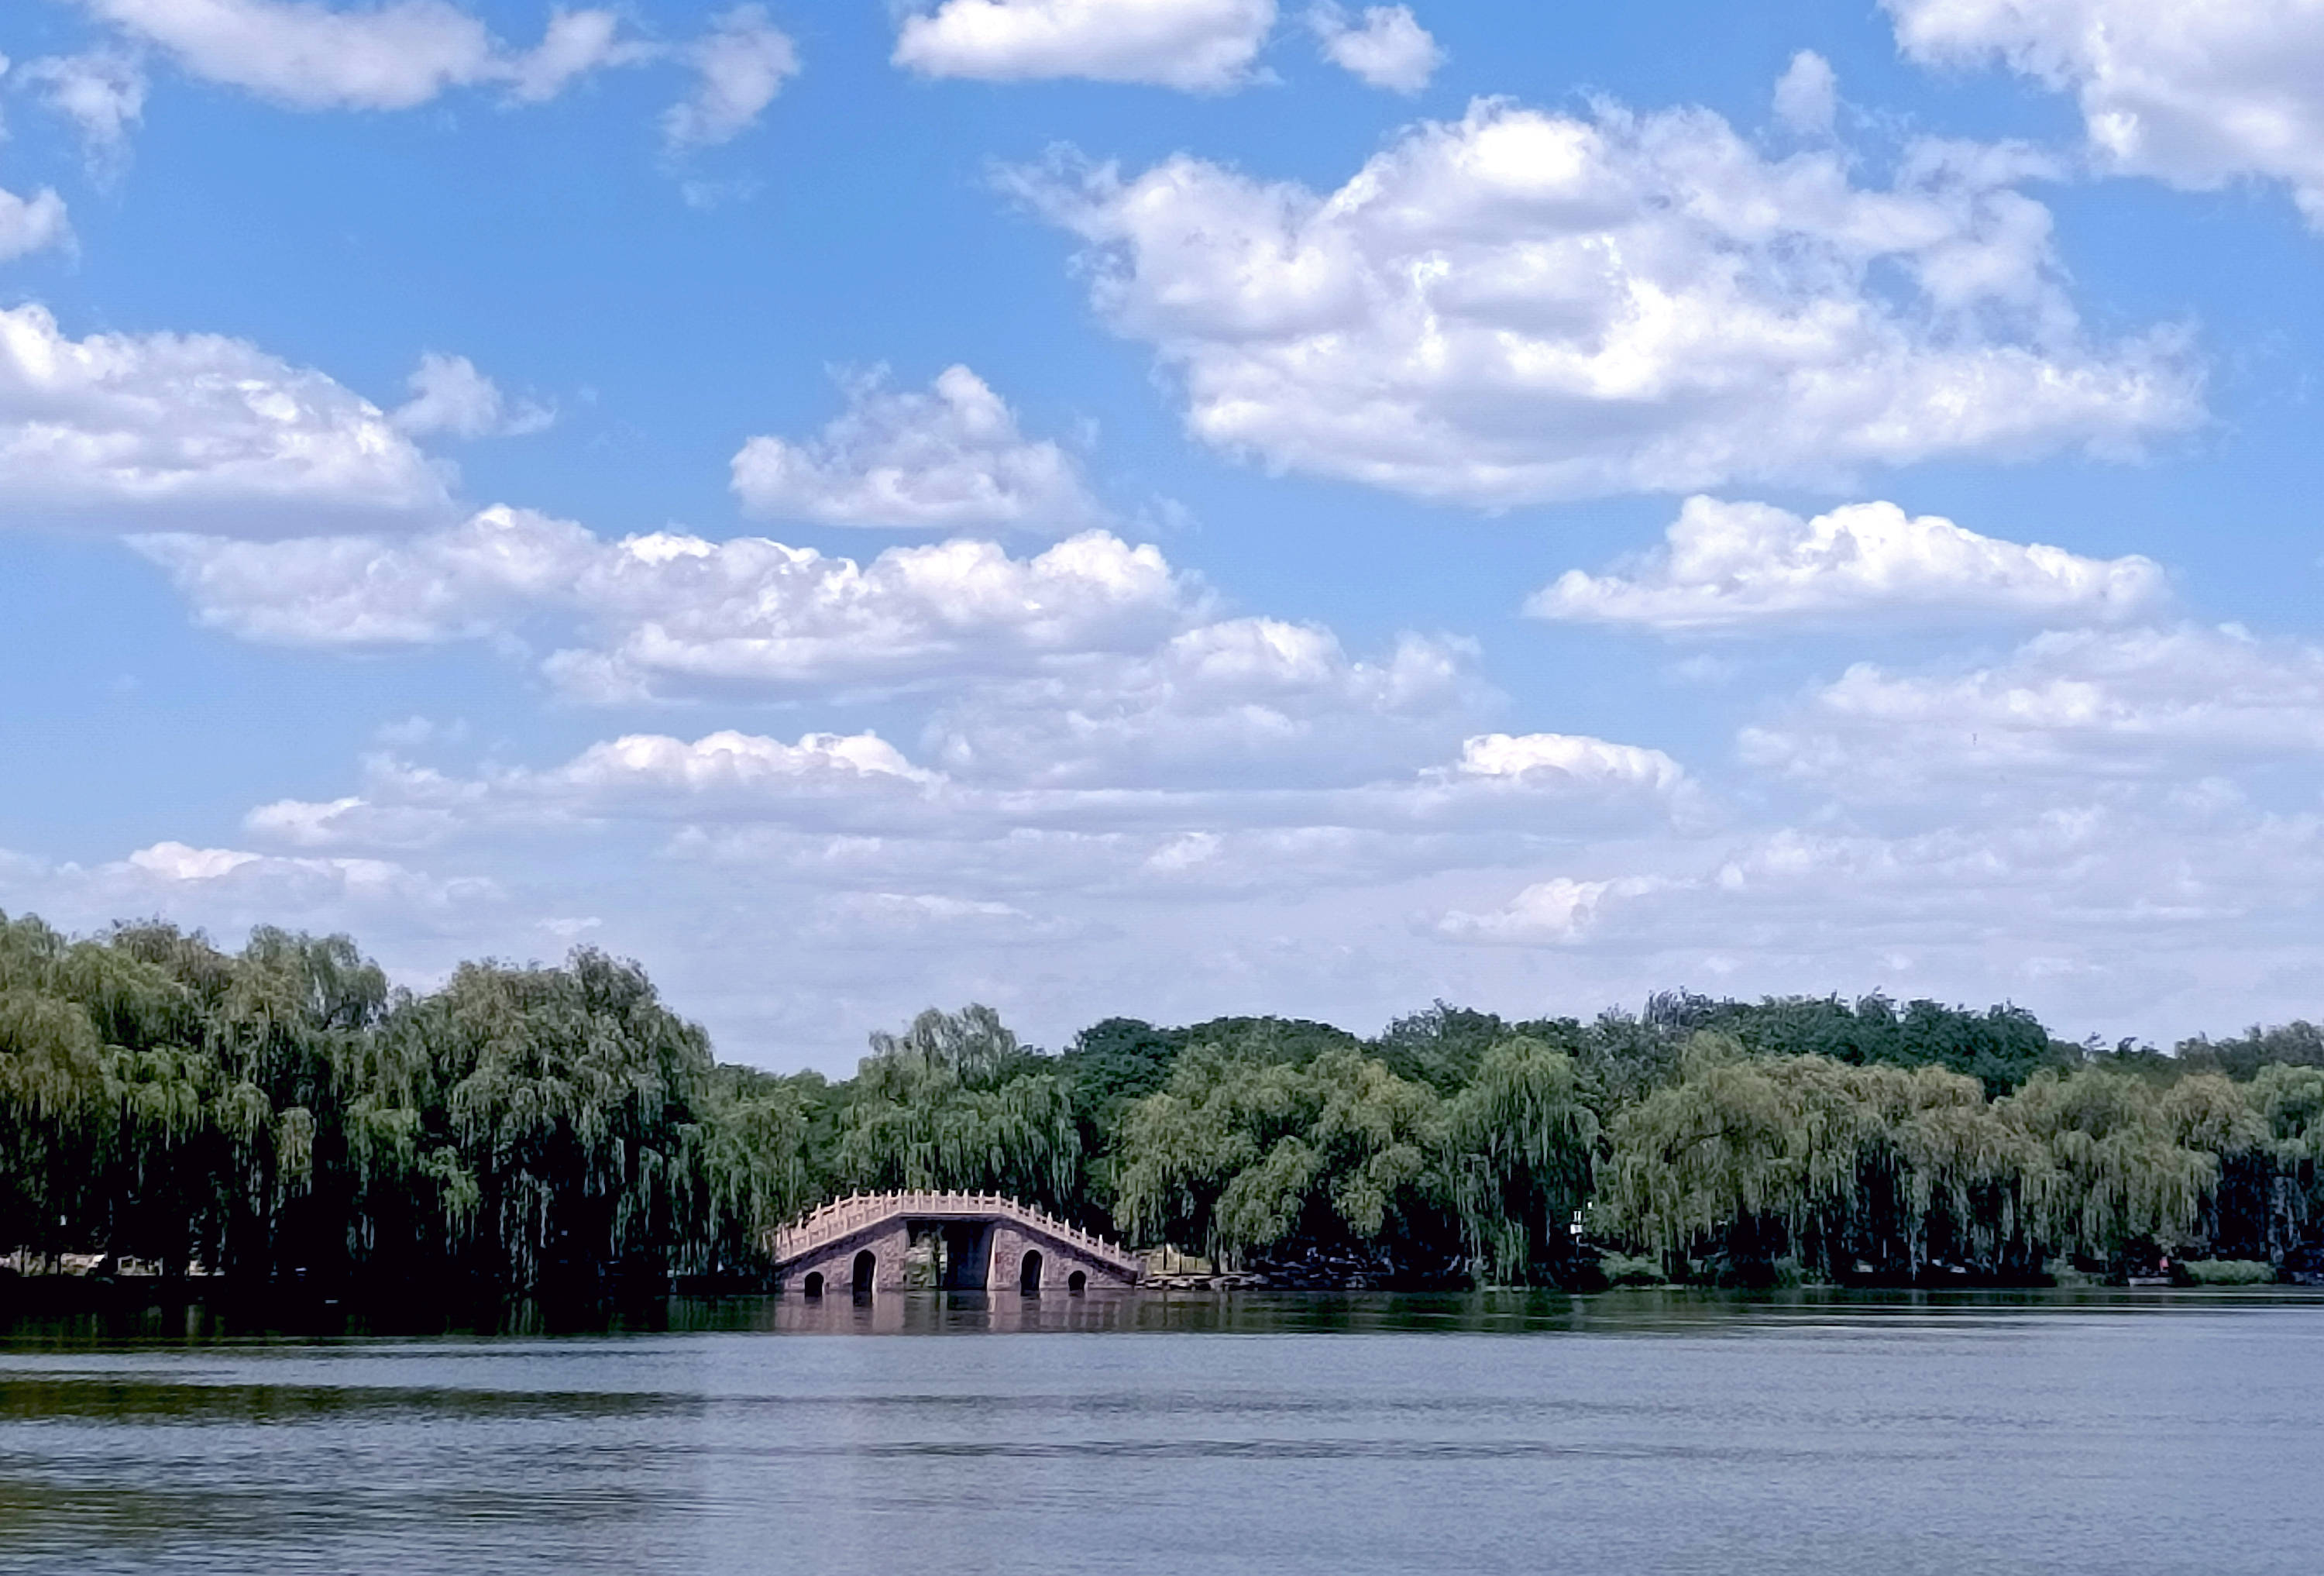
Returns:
(841,1217)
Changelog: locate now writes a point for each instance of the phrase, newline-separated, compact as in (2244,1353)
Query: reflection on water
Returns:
(1629,1433)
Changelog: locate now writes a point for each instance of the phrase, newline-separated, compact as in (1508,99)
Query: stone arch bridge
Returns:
(958,1241)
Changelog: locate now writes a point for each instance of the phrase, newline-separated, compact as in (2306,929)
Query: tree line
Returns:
(280,1114)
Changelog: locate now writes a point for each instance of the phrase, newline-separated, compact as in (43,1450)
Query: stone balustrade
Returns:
(842,1217)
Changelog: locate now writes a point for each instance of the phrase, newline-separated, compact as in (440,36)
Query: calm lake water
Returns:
(1631,1433)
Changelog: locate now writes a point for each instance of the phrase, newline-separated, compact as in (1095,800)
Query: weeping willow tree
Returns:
(163,1097)
(2284,1196)
(278,1112)
(1751,1160)
(1520,1144)
(955,1102)
(754,1166)
(1242,1155)
(2114,1160)
(542,1126)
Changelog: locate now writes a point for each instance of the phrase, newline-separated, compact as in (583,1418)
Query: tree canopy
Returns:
(281,1114)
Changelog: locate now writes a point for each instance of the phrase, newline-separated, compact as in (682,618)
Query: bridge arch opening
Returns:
(1077,1283)
(866,1267)
(1028,1273)
(812,1284)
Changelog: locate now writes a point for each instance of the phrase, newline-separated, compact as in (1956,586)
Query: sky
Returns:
(1174,508)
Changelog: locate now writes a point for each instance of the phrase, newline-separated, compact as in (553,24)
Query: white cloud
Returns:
(1199,46)
(299,881)
(723,769)
(677,613)
(352,819)
(743,62)
(1522,306)
(1557,912)
(1729,568)
(577,43)
(1525,786)
(884,920)
(126,429)
(2195,92)
(1389,49)
(823,782)
(458,584)
(1543,867)
(2128,894)
(2092,705)
(450,396)
(306,55)
(102,92)
(32,223)
(1534,758)
(946,460)
(1807,95)
(1219,697)
(667,614)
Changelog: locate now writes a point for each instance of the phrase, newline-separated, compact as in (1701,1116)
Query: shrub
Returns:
(1632,1269)
(2228,1272)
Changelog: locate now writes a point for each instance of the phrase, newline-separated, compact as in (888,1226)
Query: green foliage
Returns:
(1745,1156)
(1631,1269)
(2229,1272)
(1242,1155)
(279,1112)
(2001,1047)
(2114,1160)
(1441,1046)
(956,1103)
(1521,1145)
(2297,1044)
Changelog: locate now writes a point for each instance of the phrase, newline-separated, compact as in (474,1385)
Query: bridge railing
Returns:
(829,1222)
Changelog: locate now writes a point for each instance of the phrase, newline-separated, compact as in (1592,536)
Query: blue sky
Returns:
(1063,502)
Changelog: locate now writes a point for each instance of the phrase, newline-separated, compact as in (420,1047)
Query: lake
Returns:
(1631,1433)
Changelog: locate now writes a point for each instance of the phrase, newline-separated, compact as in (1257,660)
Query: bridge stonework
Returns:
(822,1252)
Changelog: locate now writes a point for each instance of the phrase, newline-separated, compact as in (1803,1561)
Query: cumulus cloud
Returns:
(822,782)
(102,92)
(853,813)
(885,920)
(126,430)
(1389,49)
(1092,661)
(1731,568)
(1522,306)
(743,63)
(2184,703)
(671,776)
(948,459)
(1807,95)
(677,613)
(1557,912)
(2194,92)
(1535,757)
(351,819)
(577,43)
(300,880)
(668,614)
(1199,46)
(306,55)
(1216,697)
(32,223)
(235,885)
(461,582)
(449,396)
